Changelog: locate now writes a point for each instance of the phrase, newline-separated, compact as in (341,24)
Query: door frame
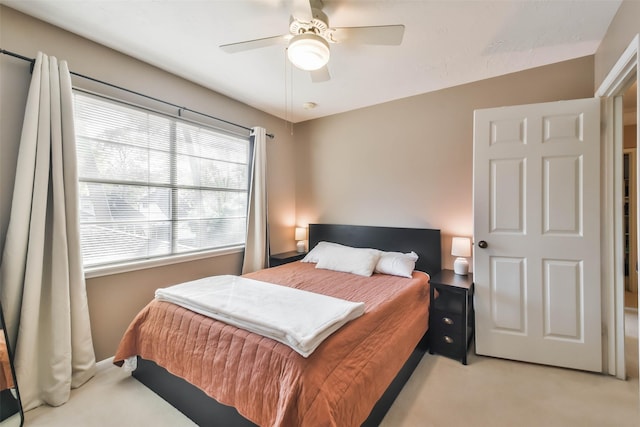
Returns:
(610,92)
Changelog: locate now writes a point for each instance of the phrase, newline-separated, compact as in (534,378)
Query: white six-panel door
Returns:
(537,208)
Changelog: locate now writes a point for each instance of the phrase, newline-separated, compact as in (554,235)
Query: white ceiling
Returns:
(446,43)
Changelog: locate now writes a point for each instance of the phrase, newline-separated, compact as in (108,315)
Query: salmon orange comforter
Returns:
(6,376)
(268,382)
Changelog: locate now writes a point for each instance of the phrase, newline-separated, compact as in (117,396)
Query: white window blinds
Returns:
(152,185)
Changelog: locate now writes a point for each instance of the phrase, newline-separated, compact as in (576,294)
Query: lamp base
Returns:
(461,266)
(300,246)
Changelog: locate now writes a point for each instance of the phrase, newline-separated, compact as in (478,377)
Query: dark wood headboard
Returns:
(423,241)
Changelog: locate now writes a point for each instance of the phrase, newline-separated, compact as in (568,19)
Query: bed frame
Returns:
(206,411)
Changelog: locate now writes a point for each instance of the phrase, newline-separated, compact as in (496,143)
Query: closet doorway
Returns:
(630,213)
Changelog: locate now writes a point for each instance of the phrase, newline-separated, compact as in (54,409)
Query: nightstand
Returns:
(451,314)
(285,258)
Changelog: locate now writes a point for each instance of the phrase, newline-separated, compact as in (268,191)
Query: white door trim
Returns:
(619,75)
(612,239)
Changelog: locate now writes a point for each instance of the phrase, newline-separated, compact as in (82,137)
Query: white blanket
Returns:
(297,318)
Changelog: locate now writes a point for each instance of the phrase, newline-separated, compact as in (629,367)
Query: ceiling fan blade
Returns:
(255,44)
(320,75)
(383,34)
(302,10)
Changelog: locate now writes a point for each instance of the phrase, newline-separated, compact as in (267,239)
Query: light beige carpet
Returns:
(441,393)
(499,393)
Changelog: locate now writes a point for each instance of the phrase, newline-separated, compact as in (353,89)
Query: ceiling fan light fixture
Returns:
(308,51)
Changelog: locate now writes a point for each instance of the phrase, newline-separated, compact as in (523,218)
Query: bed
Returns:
(6,376)
(351,379)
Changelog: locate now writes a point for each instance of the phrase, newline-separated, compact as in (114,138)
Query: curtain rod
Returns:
(180,108)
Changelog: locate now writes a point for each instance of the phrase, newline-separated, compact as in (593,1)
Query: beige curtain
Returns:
(42,285)
(256,252)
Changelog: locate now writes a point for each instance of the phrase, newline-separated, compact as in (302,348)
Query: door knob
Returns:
(482,244)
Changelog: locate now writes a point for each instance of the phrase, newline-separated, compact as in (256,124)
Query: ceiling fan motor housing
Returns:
(319,24)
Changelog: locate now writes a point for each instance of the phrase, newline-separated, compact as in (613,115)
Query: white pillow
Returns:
(349,260)
(318,250)
(396,263)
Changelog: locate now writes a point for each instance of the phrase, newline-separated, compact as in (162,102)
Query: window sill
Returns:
(92,272)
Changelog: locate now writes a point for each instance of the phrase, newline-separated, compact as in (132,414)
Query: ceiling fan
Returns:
(310,36)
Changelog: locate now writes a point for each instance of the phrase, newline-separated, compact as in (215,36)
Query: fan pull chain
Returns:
(288,93)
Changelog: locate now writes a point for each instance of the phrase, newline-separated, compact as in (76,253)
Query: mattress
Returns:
(268,382)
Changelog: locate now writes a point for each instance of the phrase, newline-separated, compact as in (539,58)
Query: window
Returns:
(153,185)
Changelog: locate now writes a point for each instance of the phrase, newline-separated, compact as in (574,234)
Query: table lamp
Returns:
(461,248)
(300,236)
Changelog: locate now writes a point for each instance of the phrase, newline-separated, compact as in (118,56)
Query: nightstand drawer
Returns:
(448,323)
(452,345)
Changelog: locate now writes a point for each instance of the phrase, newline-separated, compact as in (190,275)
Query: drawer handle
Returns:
(447,320)
(448,339)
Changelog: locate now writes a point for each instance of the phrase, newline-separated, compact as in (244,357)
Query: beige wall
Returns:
(623,28)
(408,163)
(114,300)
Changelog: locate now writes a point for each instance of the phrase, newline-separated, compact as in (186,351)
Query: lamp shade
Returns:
(308,51)
(301,233)
(300,236)
(461,246)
